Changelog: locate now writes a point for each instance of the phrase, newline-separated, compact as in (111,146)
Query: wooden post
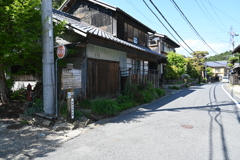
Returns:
(70,99)
(143,80)
(137,76)
(130,75)
(120,82)
(154,76)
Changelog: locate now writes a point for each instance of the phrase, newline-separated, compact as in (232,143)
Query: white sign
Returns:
(71,78)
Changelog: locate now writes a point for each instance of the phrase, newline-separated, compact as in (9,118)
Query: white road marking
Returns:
(237,104)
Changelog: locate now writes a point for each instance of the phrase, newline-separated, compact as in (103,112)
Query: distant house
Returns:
(220,69)
(110,46)
(162,44)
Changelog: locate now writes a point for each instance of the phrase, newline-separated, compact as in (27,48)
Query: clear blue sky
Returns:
(212,20)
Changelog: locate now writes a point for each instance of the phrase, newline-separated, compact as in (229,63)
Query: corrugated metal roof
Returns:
(216,64)
(89,29)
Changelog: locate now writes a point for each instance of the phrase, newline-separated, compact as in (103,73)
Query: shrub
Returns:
(78,114)
(85,104)
(160,92)
(64,112)
(19,94)
(148,96)
(36,107)
(104,107)
(125,105)
(174,87)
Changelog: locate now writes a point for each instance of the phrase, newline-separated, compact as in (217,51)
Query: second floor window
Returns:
(135,40)
(217,69)
(134,35)
(163,47)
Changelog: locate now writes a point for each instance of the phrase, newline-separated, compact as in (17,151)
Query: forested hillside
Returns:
(220,57)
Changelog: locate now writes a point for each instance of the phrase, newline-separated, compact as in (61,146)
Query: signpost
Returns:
(71,79)
(61,53)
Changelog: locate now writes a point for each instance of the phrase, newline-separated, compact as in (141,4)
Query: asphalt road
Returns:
(198,123)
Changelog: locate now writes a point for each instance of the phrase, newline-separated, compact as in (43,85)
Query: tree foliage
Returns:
(57,3)
(209,71)
(220,57)
(176,65)
(191,70)
(20,39)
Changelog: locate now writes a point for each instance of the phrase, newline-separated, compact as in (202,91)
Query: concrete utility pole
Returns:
(48,58)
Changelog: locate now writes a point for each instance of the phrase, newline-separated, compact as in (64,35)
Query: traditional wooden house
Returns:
(110,46)
(235,76)
(162,44)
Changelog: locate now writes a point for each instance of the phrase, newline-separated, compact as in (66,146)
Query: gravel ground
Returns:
(27,141)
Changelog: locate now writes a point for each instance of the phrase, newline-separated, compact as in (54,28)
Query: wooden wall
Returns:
(103,79)
(93,14)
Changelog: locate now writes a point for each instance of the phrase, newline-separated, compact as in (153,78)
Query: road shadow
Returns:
(28,142)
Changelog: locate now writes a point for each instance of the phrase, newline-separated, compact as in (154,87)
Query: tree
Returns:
(20,36)
(198,61)
(57,3)
(209,71)
(20,39)
(191,70)
(176,65)
(220,57)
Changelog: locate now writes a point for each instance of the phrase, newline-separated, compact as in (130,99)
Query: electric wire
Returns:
(189,23)
(129,1)
(224,13)
(135,7)
(165,27)
(209,19)
(170,25)
(216,14)
(215,23)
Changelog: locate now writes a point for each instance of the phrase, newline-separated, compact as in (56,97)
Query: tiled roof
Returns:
(216,64)
(86,29)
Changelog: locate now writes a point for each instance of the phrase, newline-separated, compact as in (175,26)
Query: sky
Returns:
(209,27)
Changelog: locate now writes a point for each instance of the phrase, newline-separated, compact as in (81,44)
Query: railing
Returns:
(140,76)
(178,81)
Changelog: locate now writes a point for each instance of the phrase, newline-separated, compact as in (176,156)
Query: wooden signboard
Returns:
(71,78)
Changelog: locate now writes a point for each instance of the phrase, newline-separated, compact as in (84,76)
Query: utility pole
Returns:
(48,58)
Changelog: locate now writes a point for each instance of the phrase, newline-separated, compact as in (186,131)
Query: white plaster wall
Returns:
(23,84)
(103,53)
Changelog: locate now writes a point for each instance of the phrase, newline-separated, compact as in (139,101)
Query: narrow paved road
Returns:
(199,123)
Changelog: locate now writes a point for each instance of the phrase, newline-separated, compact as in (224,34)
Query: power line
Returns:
(224,13)
(185,18)
(216,14)
(213,21)
(132,4)
(169,24)
(164,26)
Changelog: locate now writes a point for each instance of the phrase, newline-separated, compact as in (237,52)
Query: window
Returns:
(130,33)
(217,69)
(134,35)
(163,47)
(135,40)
